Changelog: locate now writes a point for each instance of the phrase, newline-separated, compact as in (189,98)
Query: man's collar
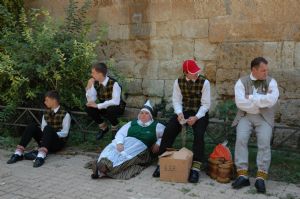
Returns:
(252,77)
(104,83)
(193,80)
(56,109)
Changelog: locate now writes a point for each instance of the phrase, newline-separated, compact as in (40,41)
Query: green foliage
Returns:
(9,12)
(226,110)
(40,54)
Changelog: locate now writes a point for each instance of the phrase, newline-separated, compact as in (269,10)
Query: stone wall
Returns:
(149,39)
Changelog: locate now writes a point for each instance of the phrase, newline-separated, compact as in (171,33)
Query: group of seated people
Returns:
(135,143)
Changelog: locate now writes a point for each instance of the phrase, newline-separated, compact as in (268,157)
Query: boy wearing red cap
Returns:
(191,102)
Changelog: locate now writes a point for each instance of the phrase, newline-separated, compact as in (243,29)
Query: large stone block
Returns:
(208,8)
(204,50)
(160,10)
(238,55)
(142,30)
(289,110)
(153,87)
(183,10)
(116,32)
(230,29)
(168,29)
(139,11)
(288,82)
(168,89)
(169,69)
(225,88)
(126,68)
(210,71)
(117,14)
(135,101)
(148,69)
(133,50)
(195,28)
(227,75)
(272,11)
(288,49)
(272,52)
(297,55)
(183,49)
(132,86)
(161,49)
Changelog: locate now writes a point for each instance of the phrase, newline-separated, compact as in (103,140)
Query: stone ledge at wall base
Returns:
(283,134)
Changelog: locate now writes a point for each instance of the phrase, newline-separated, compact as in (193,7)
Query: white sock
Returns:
(41,154)
(19,152)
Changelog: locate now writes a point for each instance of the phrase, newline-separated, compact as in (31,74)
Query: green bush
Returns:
(39,54)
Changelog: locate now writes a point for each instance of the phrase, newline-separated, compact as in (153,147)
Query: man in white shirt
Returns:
(104,99)
(191,102)
(51,136)
(255,96)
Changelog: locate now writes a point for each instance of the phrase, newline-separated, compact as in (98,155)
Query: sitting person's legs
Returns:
(199,129)
(96,115)
(50,142)
(31,131)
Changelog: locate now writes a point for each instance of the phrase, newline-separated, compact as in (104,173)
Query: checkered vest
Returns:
(191,93)
(104,93)
(55,120)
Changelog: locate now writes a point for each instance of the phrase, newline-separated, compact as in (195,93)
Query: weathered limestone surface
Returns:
(149,39)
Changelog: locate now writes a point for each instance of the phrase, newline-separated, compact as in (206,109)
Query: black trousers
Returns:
(173,128)
(47,138)
(111,113)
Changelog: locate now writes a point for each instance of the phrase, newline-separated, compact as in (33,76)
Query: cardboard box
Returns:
(175,166)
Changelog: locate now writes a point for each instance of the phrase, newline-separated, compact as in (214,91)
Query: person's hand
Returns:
(120,147)
(191,121)
(91,104)
(180,117)
(90,83)
(155,148)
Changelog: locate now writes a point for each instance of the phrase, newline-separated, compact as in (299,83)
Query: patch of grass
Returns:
(288,196)
(185,190)
(285,165)
(193,195)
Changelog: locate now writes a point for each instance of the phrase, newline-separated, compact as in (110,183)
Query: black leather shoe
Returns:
(260,186)
(156,173)
(15,158)
(38,162)
(31,155)
(194,176)
(240,182)
(101,133)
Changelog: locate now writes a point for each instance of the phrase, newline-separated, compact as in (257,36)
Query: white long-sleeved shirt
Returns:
(91,95)
(122,133)
(256,100)
(205,99)
(65,124)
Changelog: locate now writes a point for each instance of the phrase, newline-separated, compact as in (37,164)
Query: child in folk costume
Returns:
(51,136)
(129,152)
(191,103)
(104,96)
